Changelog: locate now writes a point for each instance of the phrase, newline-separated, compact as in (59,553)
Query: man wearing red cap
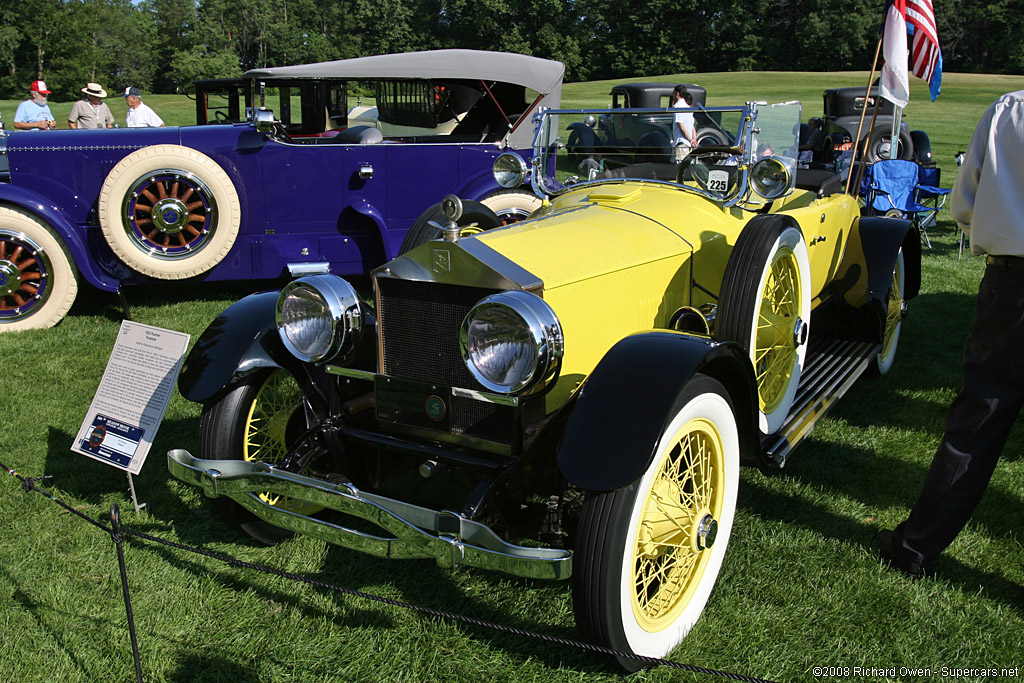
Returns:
(34,113)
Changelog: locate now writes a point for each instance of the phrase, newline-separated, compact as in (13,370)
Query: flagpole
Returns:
(860,123)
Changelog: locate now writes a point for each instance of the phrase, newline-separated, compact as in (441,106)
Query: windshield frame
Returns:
(550,139)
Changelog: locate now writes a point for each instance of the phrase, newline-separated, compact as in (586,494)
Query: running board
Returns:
(830,369)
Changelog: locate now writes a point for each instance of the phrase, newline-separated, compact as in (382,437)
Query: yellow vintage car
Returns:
(569,397)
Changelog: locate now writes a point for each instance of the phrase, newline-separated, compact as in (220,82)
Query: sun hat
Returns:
(94,89)
(131,92)
(39,87)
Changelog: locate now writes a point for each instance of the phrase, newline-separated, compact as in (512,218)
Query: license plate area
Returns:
(413,403)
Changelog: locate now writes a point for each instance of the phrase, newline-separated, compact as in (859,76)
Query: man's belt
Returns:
(1012,262)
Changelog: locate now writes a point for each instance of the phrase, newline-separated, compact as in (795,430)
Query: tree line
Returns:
(164,45)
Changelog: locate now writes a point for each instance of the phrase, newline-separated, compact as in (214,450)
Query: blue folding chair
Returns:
(929,194)
(893,187)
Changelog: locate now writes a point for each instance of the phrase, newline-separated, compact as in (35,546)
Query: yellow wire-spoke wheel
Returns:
(893,319)
(894,313)
(648,553)
(276,406)
(679,523)
(470,230)
(765,306)
(775,347)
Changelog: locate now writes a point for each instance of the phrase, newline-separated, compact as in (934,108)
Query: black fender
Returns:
(628,400)
(233,342)
(853,305)
(881,239)
(244,338)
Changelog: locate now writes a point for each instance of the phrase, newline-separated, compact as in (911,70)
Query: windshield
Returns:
(585,146)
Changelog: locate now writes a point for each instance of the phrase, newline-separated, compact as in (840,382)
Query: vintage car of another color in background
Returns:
(261,198)
(597,135)
(570,396)
(846,109)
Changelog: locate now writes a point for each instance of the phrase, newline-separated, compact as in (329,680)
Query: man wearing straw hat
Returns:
(92,112)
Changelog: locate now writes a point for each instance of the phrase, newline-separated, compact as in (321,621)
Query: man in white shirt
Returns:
(988,202)
(139,115)
(684,132)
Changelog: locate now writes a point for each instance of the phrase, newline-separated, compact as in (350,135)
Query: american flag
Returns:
(924,48)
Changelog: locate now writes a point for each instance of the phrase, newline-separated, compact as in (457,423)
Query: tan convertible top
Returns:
(543,75)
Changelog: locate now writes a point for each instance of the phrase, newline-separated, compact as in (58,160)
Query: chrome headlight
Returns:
(511,340)
(771,178)
(319,317)
(509,170)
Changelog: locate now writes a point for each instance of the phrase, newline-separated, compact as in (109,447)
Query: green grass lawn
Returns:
(800,586)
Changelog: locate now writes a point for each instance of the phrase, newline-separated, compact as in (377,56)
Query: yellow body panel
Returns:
(621,258)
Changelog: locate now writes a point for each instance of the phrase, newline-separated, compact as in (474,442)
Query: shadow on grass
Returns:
(760,498)
(57,632)
(425,584)
(198,668)
(92,481)
(417,582)
(94,303)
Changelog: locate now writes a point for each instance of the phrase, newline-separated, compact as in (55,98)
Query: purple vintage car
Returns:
(327,183)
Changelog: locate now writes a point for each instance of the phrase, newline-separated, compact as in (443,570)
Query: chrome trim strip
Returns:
(351,372)
(486,397)
(407,531)
(522,278)
(74,148)
(468,263)
(456,391)
(300,269)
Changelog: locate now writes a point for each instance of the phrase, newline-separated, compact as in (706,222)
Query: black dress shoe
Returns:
(892,555)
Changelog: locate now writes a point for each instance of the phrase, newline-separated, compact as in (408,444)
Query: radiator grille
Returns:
(420,323)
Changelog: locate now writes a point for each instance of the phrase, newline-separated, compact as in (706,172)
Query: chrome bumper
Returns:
(414,532)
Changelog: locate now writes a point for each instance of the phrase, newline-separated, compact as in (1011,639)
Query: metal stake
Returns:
(131,489)
(115,520)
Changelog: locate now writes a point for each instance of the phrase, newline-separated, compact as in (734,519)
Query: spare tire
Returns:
(922,148)
(653,147)
(475,219)
(709,136)
(169,212)
(512,205)
(880,141)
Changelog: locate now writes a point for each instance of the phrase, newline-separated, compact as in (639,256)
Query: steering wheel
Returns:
(220,116)
(708,154)
(281,132)
(714,169)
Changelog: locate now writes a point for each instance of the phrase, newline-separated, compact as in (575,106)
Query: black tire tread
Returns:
(422,231)
(219,430)
(604,522)
(737,297)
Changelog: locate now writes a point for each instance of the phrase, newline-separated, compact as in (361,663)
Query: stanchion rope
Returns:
(28,484)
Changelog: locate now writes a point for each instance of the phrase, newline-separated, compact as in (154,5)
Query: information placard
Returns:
(132,398)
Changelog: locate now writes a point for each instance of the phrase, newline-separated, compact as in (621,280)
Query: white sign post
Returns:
(132,398)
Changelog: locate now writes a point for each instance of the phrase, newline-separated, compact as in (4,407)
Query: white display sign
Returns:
(132,398)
